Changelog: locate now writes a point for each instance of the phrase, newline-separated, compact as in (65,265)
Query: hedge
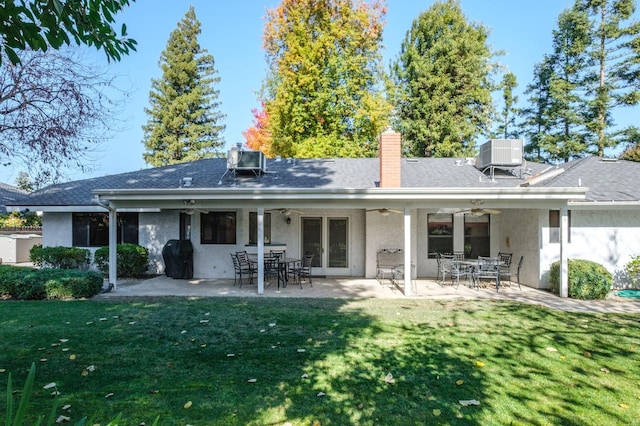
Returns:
(587,279)
(132,260)
(24,283)
(60,257)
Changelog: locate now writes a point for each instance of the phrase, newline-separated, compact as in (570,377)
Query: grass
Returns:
(524,364)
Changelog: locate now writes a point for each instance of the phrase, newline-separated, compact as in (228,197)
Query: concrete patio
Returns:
(364,288)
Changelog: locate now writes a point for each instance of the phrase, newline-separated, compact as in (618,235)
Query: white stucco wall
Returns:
(387,232)
(517,232)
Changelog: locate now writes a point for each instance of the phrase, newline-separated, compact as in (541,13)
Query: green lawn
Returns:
(172,357)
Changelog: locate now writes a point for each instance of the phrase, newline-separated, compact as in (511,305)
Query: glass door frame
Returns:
(324,269)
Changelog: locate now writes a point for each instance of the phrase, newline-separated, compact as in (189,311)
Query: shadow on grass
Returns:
(325,361)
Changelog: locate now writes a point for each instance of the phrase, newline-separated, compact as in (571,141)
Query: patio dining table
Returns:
(283,267)
(474,270)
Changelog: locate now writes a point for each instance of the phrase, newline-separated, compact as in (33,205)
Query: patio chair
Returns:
(242,268)
(487,268)
(303,270)
(386,261)
(272,269)
(440,272)
(452,267)
(509,273)
(505,262)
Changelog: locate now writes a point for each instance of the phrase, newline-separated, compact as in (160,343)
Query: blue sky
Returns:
(232,31)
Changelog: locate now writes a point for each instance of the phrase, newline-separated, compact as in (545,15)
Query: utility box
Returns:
(500,153)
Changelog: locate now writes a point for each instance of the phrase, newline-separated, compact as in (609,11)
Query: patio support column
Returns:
(564,252)
(113,242)
(260,250)
(407,252)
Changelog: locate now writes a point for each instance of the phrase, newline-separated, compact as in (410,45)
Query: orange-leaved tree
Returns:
(258,136)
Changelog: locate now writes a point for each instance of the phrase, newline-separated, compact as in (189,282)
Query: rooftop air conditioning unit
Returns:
(241,160)
(500,153)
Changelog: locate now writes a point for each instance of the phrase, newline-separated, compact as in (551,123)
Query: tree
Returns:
(258,136)
(535,125)
(443,78)
(507,116)
(42,24)
(614,79)
(323,92)
(184,119)
(54,112)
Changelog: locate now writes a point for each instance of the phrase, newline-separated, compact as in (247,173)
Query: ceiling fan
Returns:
(193,211)
(385,211)
(480,211)
(286,212)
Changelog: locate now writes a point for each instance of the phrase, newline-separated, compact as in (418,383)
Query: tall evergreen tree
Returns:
(614,79)
(323,93)
(443,79)
(184,123)
(567,108)
(506,118)
(535,124)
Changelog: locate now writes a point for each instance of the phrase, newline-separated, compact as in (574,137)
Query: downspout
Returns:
(113,241)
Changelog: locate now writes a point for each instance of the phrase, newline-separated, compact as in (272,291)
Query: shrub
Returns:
(632,269)
(587,279)
(132,260)
(36,284)
(60,257)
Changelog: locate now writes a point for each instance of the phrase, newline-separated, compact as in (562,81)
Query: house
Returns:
(344,210)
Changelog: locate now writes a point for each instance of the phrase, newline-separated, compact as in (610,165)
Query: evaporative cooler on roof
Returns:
(500,153)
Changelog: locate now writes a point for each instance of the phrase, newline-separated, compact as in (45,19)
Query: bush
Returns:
(632,269)
(132,260)
(587,279)
(60,257)
(37,284)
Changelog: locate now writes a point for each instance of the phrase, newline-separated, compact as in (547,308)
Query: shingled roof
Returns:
(606,180)
(9,195)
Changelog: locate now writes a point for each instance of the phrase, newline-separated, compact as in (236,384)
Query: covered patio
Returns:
(361,288)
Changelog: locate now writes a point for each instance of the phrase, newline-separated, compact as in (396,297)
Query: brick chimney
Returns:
(390,149)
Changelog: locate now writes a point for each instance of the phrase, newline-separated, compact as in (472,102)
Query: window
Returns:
(554,226)
(440,233)
(185,226)
(218,228)
(477,241)
(253,228)
(92,229)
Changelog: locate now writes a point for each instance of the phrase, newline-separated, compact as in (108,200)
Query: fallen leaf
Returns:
(49,385)
(467,402)
(625,406)
(89,322)
(551,349)
(65,349)
(252,380)
(66,407)
(103,319)
(131,322)
(188,405)
(204,321)
(263,330)
(587,354)
(230,355)
(85,373)
(480,363)
(154,391)
(2,370)
(204,345)
(55,393)
(72,356)
(563,357)
(305,376)
(109,395)
(389,378)
(183,332)
(62,419)
(321,394)
(302,350)
(459,382)
(64,340)
(207,314)
(437,412)
(272,324)
(604,370)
